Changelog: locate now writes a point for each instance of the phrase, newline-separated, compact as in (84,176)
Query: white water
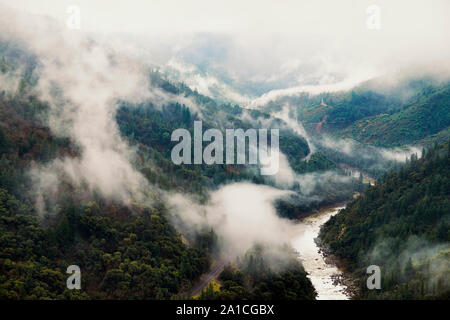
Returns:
(322,274)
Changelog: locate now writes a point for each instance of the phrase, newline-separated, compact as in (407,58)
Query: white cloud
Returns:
(289,44)
(242,214)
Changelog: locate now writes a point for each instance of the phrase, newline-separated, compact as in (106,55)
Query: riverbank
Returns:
(322,208)
(325,270)
(344,278)
(324,275)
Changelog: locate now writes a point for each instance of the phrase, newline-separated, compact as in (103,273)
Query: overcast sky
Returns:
(418,18)
(260,38)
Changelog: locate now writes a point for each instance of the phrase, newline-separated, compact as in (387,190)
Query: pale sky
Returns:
(418,18)
(261,38)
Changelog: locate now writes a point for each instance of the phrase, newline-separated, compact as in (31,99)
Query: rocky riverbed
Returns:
(322,267)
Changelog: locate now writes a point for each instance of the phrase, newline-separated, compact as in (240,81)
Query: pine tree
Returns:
(3,142)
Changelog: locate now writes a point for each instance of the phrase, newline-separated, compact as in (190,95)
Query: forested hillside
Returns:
(183,151)
(253,278)
(126,251)
(382,115)
(149,126)
(402,225)
(427,115)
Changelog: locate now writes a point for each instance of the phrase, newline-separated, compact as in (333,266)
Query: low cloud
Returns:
(82,82)
(294,125)
(242,214)
(355,149)
(399,154)
(429,259)
(327,85)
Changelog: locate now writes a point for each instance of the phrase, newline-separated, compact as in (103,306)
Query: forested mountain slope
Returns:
(382,111)
(253,278)
(389,119)
(402,225)
(126,251)
(149,126)
(427,115)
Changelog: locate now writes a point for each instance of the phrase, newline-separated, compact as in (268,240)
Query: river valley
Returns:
(323,275)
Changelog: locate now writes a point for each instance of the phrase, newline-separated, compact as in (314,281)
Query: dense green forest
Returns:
(388,116)
(149,127)
(134,252)
(353,126)
(427,115)
(402,225)
(124,251)
(253,278)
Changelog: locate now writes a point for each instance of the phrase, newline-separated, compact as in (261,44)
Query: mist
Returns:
(242,215)
(290,118)
(430,260)
(81,82)
(285,49)
(306,45)
(377,154)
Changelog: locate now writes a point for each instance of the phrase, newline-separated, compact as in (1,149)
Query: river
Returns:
(323,275)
